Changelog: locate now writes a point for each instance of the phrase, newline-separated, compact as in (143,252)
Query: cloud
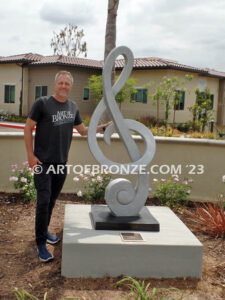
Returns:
(63,12)
(189,31)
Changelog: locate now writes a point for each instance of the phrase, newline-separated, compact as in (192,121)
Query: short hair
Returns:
(64,73)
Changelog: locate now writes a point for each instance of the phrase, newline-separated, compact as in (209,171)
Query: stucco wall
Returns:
(10,74)
(143,77)
(45,75)
(207,157)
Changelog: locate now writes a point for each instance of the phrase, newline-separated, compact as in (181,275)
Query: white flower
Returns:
(185,182)
(190,180)
(81,175)
(93,179)
(25,163)
(175,175)
(76,179)
(92,174)
(14,166)
(13,178)
(155,179)
(21,171)
(176,179)
(223,178)
(163,179)
(23,179)
(99,178)
(87,172)
(79,193)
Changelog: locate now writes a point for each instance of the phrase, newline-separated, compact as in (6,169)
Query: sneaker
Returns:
(52,239)
(43,253)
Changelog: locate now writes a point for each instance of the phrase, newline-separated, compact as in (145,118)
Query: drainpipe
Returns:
(221,104)
(21,91)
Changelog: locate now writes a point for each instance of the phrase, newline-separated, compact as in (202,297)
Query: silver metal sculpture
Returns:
(122,198)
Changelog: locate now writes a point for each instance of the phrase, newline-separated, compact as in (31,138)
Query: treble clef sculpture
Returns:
(122,198)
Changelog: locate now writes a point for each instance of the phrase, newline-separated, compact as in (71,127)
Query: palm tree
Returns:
(110,32)
(110,40)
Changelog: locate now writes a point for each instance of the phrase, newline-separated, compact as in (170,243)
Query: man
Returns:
(54,117)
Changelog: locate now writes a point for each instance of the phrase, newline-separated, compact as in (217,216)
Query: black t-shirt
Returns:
(54,128)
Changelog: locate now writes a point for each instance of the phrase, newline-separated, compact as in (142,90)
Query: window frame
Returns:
(177,106)
(134,96)
(41,86)
(9,85)
(88,99)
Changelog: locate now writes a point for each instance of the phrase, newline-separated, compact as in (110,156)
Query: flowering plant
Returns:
(172,191)
(94,185)
(23,181)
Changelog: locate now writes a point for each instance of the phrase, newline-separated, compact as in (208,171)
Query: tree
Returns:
(166,92)
(110,40)
(202,109)
(110,33)
(95,87)
(69,42)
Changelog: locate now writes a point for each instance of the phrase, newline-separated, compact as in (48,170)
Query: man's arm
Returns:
(83,130)
(32,159)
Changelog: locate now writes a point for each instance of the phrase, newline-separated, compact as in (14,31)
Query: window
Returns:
(180,95)
(40,91)
(9,94)
(212,101)
(140,96)
(86,94)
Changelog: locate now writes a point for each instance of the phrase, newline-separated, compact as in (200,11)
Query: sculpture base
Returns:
(104,220)
(172,252)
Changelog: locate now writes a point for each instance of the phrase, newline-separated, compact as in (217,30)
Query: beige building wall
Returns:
(143,77)
(45,75)
(10,74)
(25,90)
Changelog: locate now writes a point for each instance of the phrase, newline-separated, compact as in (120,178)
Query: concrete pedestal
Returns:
(172,252)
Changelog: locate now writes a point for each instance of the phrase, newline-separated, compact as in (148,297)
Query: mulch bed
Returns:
(20,267)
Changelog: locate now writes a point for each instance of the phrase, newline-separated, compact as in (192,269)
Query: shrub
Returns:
(172,192)
(203,135)
(210,218)
(86,119)
(94,185)
(165,131)
(184,127)
(23,181)
(4,116)
(148,121)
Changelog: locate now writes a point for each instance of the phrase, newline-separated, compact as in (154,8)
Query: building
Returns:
(25,77)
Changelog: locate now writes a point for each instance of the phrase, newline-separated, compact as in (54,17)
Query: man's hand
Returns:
(33,160)
(104,126)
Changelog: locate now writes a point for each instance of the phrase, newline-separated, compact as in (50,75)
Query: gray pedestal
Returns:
(172,252)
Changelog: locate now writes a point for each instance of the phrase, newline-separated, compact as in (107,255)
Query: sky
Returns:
(189,31)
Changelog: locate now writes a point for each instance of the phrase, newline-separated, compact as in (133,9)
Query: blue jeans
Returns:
(48,184)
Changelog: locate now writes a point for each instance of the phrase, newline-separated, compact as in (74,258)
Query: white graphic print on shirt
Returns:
(62,117)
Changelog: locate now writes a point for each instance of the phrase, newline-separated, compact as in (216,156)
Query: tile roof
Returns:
(158,63)
(69,60)
(28,57)
(139,63)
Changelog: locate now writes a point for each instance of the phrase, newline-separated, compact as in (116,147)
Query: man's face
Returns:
(63,86)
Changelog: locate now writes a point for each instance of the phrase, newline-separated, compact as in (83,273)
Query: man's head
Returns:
(63,84)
